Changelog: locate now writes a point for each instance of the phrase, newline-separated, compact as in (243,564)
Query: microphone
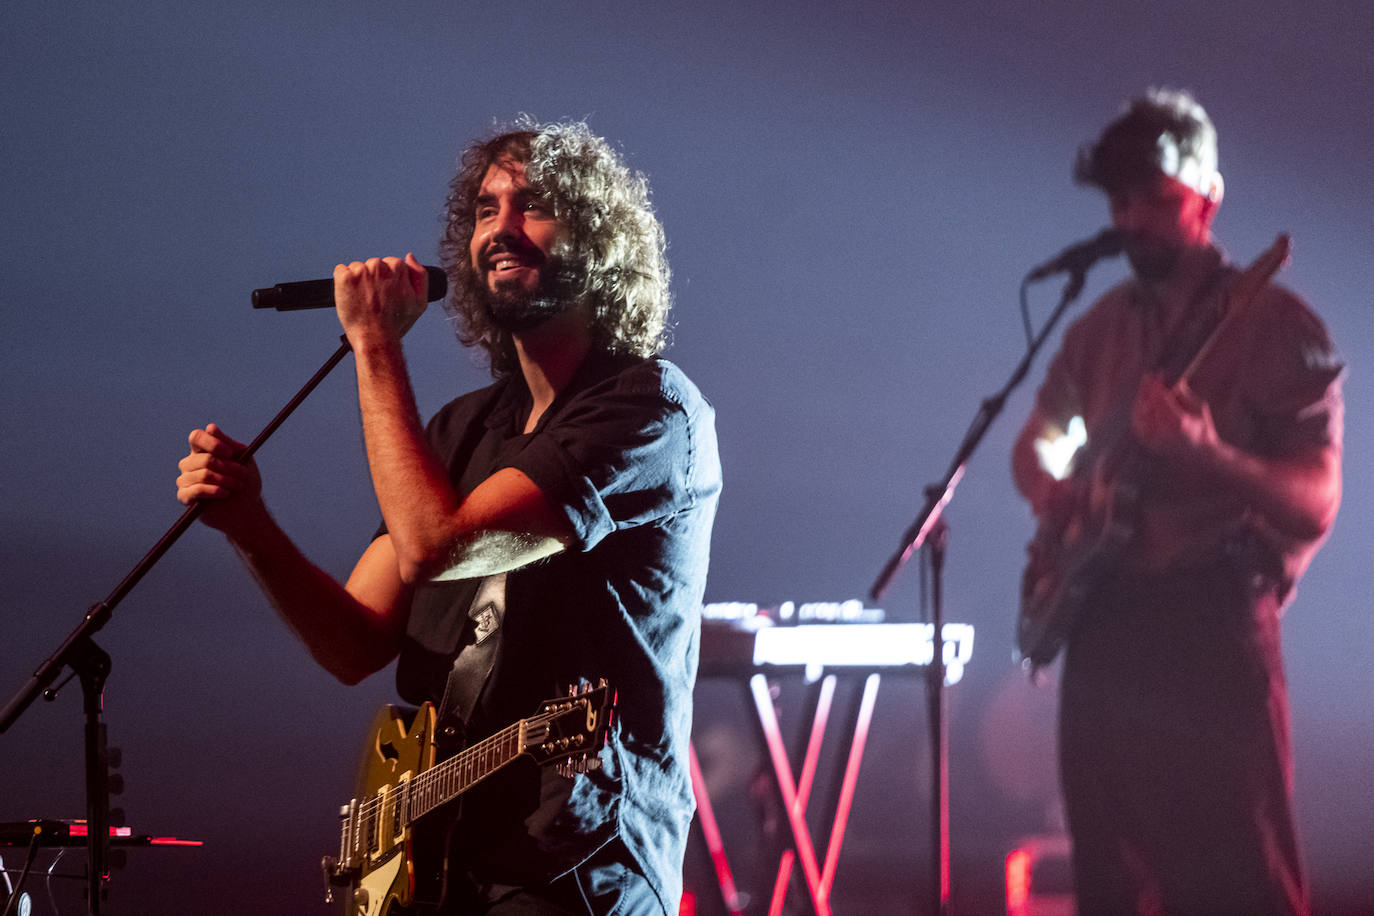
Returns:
(319,294)
(1078,258)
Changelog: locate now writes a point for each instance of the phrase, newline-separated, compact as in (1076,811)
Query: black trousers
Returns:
(1174,747)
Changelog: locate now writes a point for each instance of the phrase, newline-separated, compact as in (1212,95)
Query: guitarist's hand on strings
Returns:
(1171,422)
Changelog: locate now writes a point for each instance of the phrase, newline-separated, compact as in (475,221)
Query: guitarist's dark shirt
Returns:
(1272,383)
(628,452)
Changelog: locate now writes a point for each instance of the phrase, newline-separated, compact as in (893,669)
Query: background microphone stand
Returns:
(91,664)
(929,530)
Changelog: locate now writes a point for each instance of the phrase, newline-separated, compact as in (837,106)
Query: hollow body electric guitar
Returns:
(388,863)
(1072,553)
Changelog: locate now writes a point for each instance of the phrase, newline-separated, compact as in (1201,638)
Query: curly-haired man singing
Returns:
(552,528)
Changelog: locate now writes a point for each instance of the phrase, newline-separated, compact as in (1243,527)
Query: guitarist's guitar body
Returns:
(1072,554)
(390,861)
(1065,563)
(387,875)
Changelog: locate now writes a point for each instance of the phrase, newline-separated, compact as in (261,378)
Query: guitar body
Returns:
(400,746)
(1066,561)
(393,857)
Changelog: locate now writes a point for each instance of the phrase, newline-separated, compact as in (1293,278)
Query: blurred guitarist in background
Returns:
(1174,744)
(552,527)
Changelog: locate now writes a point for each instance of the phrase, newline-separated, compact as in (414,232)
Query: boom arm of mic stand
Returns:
(100,613)
(939,495)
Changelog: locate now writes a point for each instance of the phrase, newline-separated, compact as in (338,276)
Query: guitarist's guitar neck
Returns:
(445,782)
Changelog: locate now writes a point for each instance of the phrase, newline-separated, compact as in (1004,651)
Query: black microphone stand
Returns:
(930,529)
(91,663)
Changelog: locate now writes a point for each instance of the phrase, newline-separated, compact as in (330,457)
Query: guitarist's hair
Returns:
(1163,131)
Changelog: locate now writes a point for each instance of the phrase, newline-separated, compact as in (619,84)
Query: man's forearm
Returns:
(1299,497)
(417,501)
(348,638)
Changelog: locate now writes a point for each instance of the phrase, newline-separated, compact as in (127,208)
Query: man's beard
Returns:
(515,311)
(1150,260)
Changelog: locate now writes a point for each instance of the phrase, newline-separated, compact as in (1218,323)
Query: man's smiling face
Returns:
(515,234)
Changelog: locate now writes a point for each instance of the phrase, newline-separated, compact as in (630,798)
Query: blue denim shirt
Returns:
(628,452)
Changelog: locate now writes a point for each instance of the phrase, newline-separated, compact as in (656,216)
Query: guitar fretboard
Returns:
(445,781)
(400,805)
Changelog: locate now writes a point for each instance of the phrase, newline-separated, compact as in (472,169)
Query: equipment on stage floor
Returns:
(57,836)
(1039,877)
(51,832)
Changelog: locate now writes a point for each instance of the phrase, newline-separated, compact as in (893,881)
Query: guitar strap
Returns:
(473,664)
(1189,339)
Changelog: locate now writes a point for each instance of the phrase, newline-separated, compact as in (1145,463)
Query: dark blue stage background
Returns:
(851,194)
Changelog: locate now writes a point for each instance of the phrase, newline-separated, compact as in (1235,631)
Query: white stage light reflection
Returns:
(1056,452)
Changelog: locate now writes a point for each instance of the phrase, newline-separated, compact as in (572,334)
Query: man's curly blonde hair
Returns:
(617,243)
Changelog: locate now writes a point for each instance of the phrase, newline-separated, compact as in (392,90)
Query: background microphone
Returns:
(1078,258)
(319,294)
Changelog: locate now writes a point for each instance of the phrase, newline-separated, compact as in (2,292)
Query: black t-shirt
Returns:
(628,452)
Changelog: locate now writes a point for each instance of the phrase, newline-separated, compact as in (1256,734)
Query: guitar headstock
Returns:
(569,731)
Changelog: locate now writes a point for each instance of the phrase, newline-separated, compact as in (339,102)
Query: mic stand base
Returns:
(937,718)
